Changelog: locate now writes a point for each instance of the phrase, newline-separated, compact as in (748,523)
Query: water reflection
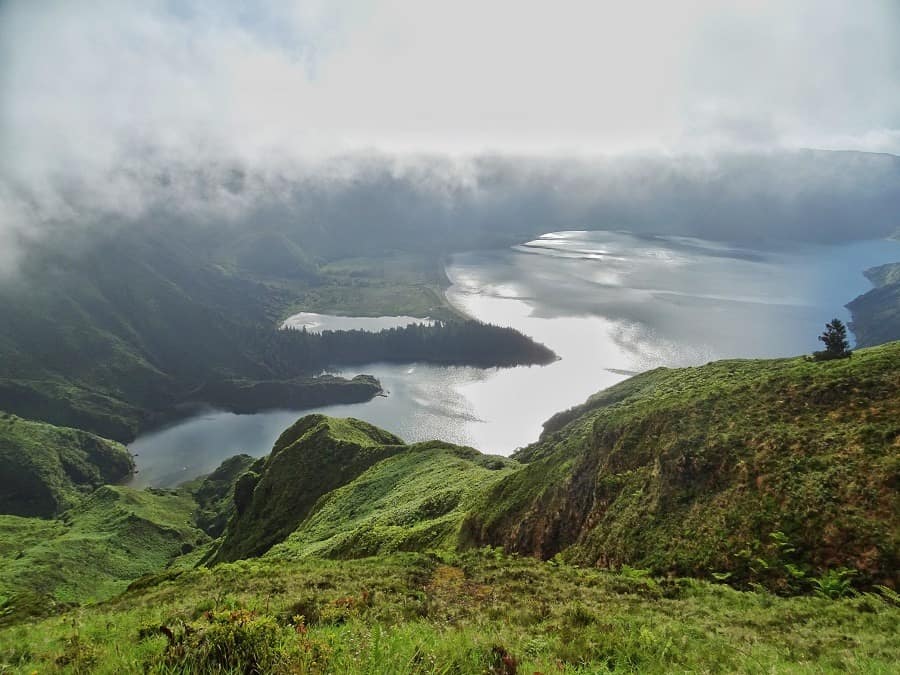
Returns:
(609,303)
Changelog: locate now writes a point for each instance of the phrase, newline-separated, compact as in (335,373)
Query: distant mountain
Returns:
(139,325)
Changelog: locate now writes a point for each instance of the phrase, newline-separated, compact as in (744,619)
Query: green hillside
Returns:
(479,612)
(314,456)
(412,501)
(93,551)
(740,516)
(45,469)
(757,471)
(876,314)
(142,324)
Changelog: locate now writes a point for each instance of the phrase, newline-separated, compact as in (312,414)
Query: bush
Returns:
(232,641)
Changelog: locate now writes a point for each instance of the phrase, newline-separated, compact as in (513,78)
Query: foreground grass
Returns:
(470,613)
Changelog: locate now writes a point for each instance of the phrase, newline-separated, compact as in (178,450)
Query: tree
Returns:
(835,339)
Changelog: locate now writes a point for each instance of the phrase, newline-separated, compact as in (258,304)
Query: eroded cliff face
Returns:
(744,468)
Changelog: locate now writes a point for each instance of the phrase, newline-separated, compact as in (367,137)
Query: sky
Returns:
(95,96)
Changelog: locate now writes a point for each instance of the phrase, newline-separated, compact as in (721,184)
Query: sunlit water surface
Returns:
(317,323)
(608,303)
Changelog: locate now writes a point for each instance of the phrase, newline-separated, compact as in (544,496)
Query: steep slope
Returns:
(766,471)
(315,455)
(110,338)
(876,314)
(93,551)
(412,501)
(45,469)
(214,494)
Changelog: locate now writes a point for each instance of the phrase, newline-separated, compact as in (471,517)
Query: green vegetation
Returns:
(314,456)
(412,501)
(876,314)
(760,472)
(395,283)
(46,469)
(214,494)
(770,484)
(93,551)
(124,334)
(479,612)
(835,340)
(469,343)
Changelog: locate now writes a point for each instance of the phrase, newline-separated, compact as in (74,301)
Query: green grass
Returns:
(777,479)
(314,456)
(412,501)
(94,550)
(45,469)
(696,471)
(425,613)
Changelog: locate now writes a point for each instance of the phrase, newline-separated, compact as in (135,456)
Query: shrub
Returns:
(834,584)
(232,641)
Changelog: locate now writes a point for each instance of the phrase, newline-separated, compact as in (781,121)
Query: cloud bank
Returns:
(108,108)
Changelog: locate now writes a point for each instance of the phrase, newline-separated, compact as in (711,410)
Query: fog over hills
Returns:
(371,117)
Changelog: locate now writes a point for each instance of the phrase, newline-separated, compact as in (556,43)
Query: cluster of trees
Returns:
(472,343)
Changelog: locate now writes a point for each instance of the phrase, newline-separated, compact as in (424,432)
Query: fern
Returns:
(889,595)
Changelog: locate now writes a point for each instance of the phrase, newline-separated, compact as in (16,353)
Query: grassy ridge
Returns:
(411,501)
(45,469)
(766,475)
(764,471)
(314,456)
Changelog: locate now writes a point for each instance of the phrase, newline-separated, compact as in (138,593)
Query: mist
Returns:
(689,118)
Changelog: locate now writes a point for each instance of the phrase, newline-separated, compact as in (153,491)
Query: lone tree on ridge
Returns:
(835,340)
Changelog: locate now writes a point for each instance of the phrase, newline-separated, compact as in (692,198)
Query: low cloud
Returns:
(112,110)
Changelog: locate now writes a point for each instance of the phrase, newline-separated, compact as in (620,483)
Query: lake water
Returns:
(317,323)
(609,303)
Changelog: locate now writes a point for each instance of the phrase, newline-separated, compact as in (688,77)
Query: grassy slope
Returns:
(694,470)
(415,613)
(314,456)
(412,501)
(45,469)
(94,550)
(671,470)
(876,314)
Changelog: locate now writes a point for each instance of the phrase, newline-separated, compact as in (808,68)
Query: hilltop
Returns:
(759,471)
(46,469)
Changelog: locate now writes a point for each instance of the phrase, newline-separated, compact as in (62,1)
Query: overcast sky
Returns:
(80,80)
(100,92)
